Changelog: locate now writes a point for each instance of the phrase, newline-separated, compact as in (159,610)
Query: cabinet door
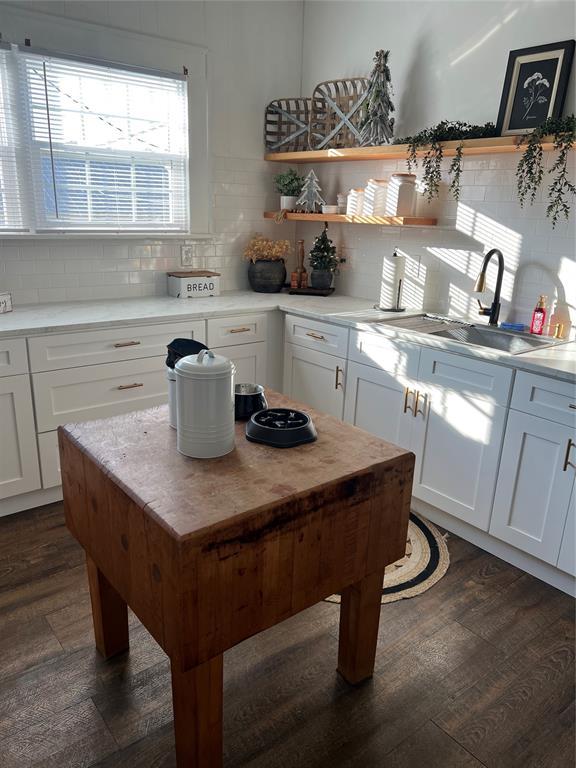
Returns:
(534,485)
(19,471)
(250,362)
(567,557)
(457,440)
(315,379)
(377,402)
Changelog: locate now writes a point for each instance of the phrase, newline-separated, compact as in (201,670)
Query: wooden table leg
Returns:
(359,619)
(197,702)
(109,613)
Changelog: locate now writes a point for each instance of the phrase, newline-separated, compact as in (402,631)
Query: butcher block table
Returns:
(208,552)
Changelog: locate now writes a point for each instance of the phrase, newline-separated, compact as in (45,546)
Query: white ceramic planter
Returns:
(288,202)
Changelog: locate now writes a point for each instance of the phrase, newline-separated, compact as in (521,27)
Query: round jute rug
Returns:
(425,562)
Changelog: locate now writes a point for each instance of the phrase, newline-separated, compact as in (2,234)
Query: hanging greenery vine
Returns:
(430,140)
(530,170)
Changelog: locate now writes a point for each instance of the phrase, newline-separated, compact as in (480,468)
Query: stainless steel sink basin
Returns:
(513,342)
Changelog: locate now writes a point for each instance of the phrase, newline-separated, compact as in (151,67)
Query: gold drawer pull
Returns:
(316,336)
(567,462)
(239,330)
(127,344)
(129,386)
(407,393)
(417,408)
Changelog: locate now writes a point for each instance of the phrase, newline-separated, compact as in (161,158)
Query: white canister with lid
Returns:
(355,202)
(205,398)
(401,198)
(375,198)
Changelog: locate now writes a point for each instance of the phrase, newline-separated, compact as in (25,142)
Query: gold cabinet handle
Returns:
(407,393)
(567,462)
(239,330)
(417,408)
(316,336)
(127,344)
(338,383)
(129,386)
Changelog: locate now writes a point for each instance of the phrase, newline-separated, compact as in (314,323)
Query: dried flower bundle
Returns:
(262,248)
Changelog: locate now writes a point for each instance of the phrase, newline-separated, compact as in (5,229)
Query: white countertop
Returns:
(34,320)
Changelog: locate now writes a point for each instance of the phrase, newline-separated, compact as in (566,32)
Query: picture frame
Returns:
(535,87)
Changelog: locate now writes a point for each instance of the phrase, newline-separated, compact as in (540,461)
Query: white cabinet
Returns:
(535,484)
(314,334)
(244,329)
(54,352)
(379,403)
(250,361)
(19,471)
(13,358)
(98,391)
(49,459)
(567,557)
(457,433)
(315,379)
(456,439)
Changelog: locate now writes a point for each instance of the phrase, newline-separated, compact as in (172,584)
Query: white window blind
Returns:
(11,194)
(105,147)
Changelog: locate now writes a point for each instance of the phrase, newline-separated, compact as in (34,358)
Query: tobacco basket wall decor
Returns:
(338,110)
(286,125)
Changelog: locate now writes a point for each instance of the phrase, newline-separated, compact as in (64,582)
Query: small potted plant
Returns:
(266,270)
(289,184)
(323,261)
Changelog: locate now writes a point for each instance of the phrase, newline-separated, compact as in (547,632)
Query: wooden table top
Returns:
(190,497)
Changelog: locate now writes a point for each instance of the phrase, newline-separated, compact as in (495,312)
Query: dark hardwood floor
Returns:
(479,671)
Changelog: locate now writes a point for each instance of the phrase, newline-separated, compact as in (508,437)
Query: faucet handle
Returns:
(483,310)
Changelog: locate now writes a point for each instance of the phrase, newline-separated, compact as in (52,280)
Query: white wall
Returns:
(448,61)
(447,58)
(247,69)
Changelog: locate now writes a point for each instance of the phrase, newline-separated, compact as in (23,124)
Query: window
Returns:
(94,147)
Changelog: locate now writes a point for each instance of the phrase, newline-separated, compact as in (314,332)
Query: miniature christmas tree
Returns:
(310,199)
(323,253)
(378,127)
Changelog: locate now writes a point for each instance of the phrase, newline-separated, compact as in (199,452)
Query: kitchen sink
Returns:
(513,342)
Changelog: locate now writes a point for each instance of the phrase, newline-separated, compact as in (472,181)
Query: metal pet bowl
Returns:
(281,428)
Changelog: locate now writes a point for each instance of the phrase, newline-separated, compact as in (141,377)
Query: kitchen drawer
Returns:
(446,371)
(72,350)
(98,391)
(313,334)
(49,459)
(245,329)
(249,361)
(13,357)
(542,396)
(399,358)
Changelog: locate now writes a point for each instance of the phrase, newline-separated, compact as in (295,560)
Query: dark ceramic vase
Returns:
(266,276)
(321,279)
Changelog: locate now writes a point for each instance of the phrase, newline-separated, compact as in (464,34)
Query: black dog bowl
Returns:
(248,398)
(281,428)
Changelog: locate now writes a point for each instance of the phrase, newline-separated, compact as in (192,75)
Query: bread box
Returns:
(193,284)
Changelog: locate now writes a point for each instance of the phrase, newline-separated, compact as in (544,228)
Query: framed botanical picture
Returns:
(535,87)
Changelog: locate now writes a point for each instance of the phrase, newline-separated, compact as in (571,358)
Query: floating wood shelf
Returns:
(499,144)
(382,221)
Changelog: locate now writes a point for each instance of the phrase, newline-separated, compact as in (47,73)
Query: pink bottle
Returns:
(539,317)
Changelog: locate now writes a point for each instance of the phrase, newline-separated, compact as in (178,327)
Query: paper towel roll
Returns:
(393,269)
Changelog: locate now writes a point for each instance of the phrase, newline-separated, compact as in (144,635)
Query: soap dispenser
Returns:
(539,317)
